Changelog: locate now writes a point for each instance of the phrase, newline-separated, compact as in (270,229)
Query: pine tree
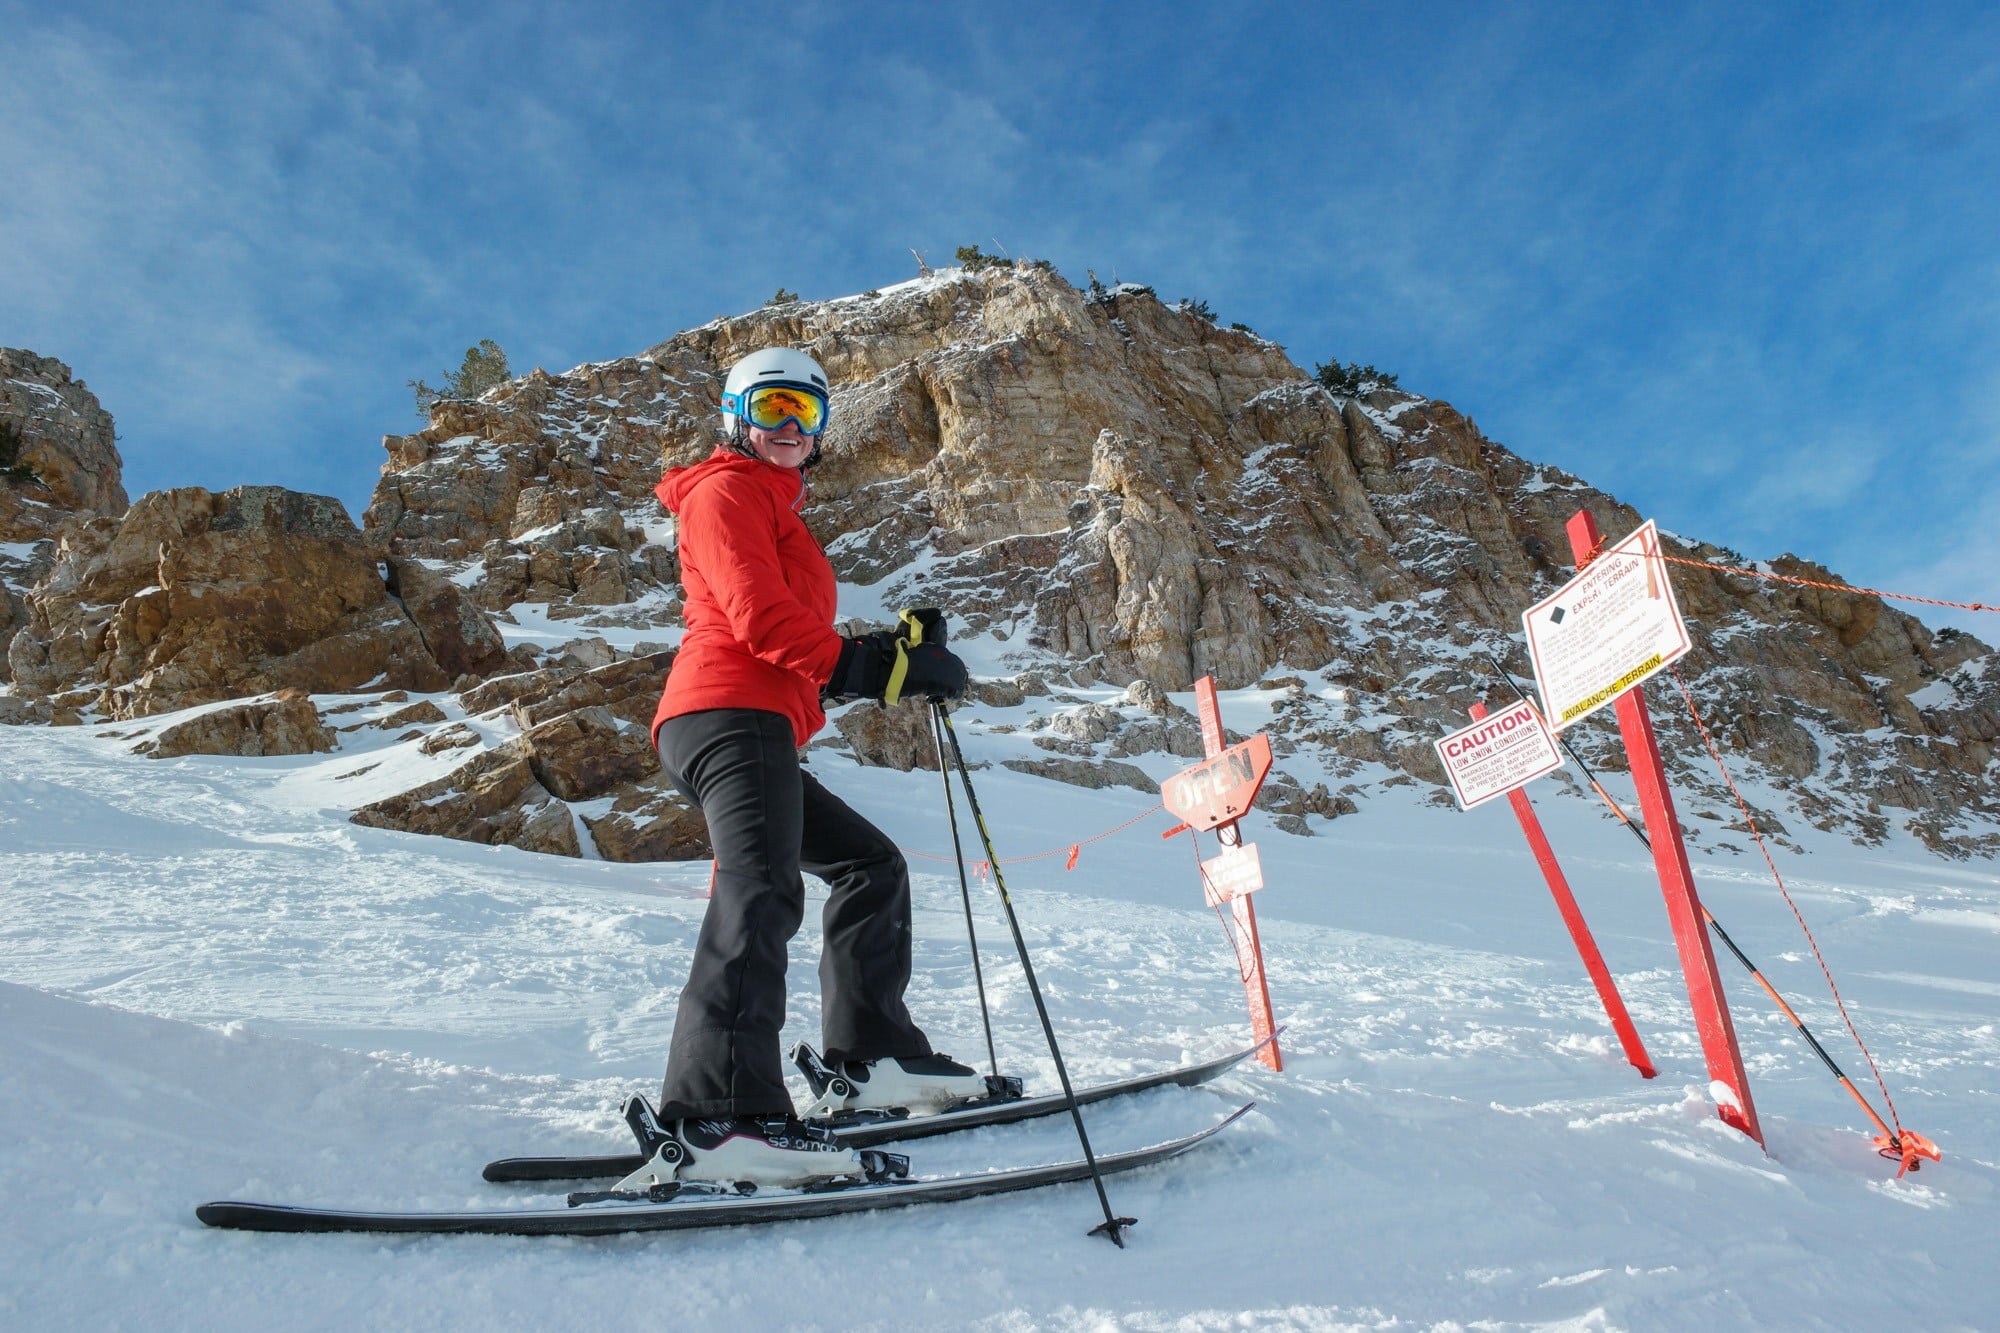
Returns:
(1351,380)
(971,258)
(484,367)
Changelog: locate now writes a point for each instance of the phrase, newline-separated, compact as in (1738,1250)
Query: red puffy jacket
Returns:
(760,595)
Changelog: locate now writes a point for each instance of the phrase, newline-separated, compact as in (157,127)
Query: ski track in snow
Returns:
(213,986)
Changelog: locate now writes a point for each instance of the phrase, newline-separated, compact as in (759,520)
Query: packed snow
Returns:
(214,986)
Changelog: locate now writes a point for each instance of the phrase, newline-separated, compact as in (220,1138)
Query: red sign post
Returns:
(1215,794)
(1579,929)
(1727,1081)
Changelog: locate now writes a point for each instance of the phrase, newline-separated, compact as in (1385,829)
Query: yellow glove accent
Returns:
(894,690)
(911,624)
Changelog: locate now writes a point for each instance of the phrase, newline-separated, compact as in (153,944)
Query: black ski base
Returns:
(680,1212)
(865,1129)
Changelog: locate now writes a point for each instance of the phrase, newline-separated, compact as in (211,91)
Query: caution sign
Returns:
(1608,629)
(1498,753)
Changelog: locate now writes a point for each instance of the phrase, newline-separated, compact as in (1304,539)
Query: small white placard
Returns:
(1498,753)
(1239,870)
(1606,630)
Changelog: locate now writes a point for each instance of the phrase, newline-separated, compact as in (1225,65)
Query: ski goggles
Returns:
(770,406)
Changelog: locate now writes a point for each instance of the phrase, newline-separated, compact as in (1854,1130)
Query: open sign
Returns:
(1219,791)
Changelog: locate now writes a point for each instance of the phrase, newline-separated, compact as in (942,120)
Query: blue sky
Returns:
(1738,265)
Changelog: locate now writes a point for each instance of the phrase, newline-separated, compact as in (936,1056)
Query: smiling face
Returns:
(787,446)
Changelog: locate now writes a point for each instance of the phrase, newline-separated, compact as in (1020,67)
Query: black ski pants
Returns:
(768,819)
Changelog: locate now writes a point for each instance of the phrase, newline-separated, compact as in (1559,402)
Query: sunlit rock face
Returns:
(194,596)
(285,723)
(188,597)
(1125,492)
(65,439)
(1111,490)
(59,464)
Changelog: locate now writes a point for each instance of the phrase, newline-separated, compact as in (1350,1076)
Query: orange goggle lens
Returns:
(771,407)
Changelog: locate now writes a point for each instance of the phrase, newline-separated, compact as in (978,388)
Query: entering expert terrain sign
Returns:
(1498,753)
(1606,630)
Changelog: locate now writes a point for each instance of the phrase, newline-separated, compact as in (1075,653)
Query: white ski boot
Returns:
(765,1150)
(742,1152)
(917,1084)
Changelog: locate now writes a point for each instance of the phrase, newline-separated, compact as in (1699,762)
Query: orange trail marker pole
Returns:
(1579,930)
(1728,1081)
(1890,1143)
(1215,794)
(1902,1145)
(1263,1026)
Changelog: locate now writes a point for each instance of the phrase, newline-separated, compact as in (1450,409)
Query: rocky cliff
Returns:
(1113,491)
(1123,492)
(58,462)
(192,597)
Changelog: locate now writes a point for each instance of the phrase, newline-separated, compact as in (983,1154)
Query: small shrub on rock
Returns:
(973,261)
(1351,380)
(484,367)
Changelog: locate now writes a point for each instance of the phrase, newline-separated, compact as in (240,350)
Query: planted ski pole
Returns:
(1113,1228)
(964,891)
(1904,1145)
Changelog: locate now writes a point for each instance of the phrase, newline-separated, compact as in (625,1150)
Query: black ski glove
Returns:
(863,669)
(890,665)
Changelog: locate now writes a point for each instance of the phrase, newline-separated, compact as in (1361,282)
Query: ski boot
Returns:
(911,1084)
(725,1154)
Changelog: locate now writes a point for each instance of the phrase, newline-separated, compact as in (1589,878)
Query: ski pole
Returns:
(1890,1138)
(1113,1228)
(965,894)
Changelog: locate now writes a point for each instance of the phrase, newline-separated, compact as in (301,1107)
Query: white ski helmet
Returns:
(773,365)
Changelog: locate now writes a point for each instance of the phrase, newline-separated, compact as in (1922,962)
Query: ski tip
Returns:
(517,1170)
(1232,1118)
(232,1215)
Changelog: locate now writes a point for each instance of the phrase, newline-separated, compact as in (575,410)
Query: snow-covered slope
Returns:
(212,985)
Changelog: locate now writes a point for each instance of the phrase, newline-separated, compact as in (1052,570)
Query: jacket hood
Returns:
(787,483)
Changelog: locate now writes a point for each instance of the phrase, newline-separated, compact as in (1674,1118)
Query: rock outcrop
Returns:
(64,441)
(1107,489)
(59,463)
(285,723)
(193,597)
(581,755)
(494,798)
(1131,494)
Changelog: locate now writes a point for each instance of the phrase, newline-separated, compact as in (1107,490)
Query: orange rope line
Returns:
(1758,837)
(1818,583)
(1063,850)
(1786,578)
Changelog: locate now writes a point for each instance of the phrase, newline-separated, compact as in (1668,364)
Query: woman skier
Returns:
(742,698)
